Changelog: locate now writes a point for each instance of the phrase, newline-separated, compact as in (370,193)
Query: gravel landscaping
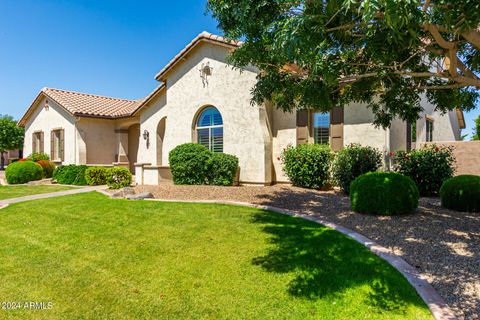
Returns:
(443,245)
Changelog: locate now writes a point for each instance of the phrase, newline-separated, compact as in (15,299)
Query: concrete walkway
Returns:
(4,203)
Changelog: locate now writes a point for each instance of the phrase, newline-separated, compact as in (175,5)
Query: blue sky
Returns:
(105,47)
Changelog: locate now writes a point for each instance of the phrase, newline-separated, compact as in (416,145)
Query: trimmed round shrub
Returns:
(189,163)
(428,167)
(71,174)
(461,193)
(23,172)
(353,161)
(96,176)
(37,156)
(48,167)
(223,169)
(118,177)
(383,193)
(307,165)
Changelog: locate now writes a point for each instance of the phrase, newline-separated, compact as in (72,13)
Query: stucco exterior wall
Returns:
(398,135)
(99,138)
(466,153)
(445,126)
(358,128)
(246,132)
(284,133)
(46,120)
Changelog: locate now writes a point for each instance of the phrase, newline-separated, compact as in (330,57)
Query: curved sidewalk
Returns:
(4,203)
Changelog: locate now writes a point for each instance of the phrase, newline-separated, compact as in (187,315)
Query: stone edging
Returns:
(435,303)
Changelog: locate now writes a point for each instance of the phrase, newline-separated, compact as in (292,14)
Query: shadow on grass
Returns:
(326,263)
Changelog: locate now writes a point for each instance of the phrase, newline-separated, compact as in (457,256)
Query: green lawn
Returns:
(101,258)
(8,192)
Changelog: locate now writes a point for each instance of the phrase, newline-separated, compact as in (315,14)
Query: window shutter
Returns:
(34,142)
(41,142)
(302,127)
(62,144)
(336,128)
(52,145)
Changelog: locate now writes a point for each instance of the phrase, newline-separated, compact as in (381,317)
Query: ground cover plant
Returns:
(93,256)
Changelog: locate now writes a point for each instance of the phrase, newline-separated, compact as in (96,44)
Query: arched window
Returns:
(210,129)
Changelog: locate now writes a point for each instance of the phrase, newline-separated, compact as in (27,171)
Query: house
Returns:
(201,98)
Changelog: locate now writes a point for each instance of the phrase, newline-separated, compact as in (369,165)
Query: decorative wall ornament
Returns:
(205,72)
(46,106)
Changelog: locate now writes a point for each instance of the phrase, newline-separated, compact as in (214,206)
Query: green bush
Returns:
(428,167)
(223,169)
(118,177)
(461,193)
(353,161)
(96,176)
(383,193)
(307,165)
(36,156)
(48,167)
(189,163)
(23,172)
(71,174)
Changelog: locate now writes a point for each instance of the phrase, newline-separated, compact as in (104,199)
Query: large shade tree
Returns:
(11,137)
(385,53)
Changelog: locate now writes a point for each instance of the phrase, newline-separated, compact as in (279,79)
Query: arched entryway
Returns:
(160,137)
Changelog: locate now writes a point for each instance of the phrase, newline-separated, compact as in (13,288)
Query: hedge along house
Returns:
(201,98)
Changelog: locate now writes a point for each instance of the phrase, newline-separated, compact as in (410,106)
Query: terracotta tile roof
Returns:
(204,36)
(91,105)
(86,105)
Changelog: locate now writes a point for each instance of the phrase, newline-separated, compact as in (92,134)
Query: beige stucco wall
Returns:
(46,120)
(445,126)
(284,133)
(99,138)
(246,133)
(466,153)
(358,128)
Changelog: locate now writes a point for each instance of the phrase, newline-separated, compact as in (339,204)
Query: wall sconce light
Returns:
(46,106)
(146,137)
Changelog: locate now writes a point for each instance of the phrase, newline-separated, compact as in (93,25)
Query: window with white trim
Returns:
(210,129)
(321,128)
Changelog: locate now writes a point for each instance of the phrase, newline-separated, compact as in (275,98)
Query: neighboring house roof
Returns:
(202,37)
(85,105)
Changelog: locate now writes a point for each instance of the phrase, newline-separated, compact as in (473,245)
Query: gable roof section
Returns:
(85,105)
(202,37)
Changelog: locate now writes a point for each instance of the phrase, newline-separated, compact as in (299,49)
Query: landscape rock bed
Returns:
(443,245)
